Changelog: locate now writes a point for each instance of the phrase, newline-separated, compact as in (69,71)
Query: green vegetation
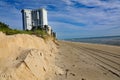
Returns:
(8,31)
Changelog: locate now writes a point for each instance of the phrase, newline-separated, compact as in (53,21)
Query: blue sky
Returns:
(68,18)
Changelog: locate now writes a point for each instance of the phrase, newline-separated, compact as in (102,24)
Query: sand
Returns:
(28,57)
(82,61)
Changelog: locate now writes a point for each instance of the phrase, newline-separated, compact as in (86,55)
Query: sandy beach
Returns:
(27,57)
(82,61)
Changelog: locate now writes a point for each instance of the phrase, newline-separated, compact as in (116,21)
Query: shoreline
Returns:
(92,43)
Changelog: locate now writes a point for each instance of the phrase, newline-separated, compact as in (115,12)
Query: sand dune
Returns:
(82,61)
(27,57)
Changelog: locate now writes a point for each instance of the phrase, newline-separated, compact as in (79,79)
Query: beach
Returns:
(85,61)
(28,57)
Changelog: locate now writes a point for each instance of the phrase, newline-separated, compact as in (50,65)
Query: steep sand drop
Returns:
(27,57)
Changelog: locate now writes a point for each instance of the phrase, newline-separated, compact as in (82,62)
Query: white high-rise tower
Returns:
(34,18)
(27,19)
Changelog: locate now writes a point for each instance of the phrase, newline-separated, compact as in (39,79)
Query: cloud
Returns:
(100,3)
(10,15)
(68,2)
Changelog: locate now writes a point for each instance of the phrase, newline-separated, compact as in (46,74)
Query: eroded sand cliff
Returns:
(27,57)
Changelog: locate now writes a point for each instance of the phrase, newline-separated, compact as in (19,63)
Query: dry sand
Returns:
(82,61)
(27,57)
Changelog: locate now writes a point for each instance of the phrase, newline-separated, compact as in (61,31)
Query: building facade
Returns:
(34,18)
(27,19)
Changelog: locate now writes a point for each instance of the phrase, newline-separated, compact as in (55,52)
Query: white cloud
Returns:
(105,4)
(68,2)
(10,15)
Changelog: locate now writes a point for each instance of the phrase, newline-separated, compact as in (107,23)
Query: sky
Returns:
(68,18)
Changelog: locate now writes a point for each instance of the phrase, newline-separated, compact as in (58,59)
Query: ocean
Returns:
(110,40)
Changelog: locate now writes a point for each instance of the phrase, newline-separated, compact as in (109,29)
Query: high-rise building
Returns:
(34,18)
(27,19)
